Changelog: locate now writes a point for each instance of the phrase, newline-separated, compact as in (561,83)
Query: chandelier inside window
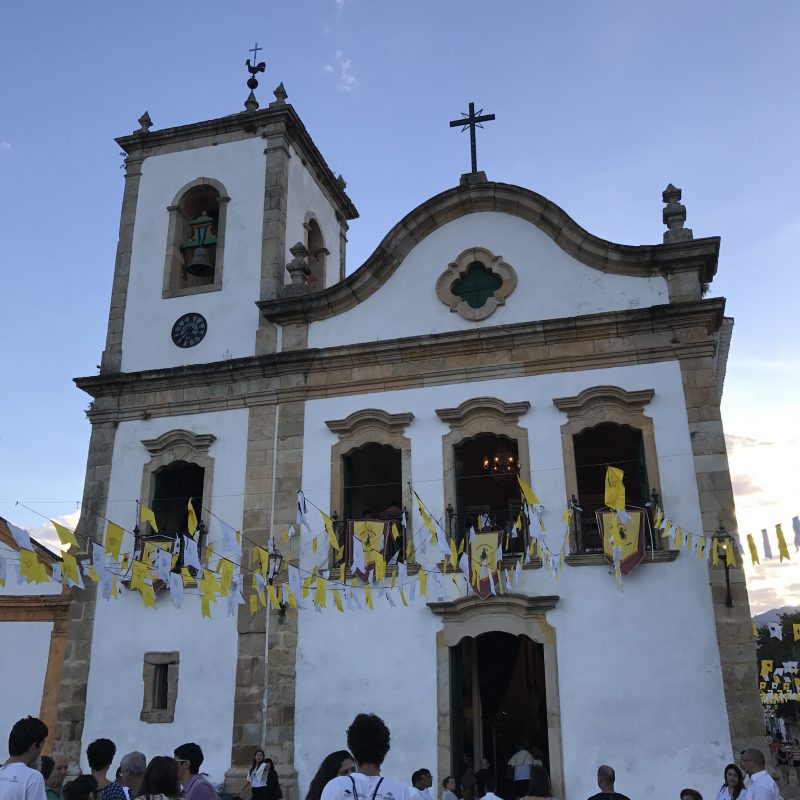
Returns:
(502,461)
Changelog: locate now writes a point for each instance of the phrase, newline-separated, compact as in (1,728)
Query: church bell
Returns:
(201,264)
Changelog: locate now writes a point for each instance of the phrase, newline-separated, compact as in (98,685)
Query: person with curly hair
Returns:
(368,739)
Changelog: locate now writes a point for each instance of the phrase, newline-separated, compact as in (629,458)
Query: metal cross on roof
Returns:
(472,121)
(254,51)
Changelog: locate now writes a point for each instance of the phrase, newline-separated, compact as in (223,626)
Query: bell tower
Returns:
(212,214)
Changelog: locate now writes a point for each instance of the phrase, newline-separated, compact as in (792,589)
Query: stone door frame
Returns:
(517,615)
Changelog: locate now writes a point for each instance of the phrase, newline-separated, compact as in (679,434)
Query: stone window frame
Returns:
(171,259)
(481,415)
(151,661)
(179,445)
(458,268)
(310,216)
(590,408)
(372,426)
(510,613)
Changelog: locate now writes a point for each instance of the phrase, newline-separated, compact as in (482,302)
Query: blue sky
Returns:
(599,105)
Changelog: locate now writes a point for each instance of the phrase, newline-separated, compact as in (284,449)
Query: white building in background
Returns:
(488,335)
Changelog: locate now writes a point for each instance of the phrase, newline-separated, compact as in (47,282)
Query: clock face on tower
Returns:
(189,330)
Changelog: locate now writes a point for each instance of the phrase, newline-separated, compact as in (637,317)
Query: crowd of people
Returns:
(353,774)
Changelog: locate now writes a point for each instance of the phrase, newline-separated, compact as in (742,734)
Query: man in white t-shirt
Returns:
(762,786)
(521,761)
(490,787)
(368,741)
(17,780)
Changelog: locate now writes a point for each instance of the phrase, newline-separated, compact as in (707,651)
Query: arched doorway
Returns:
(498,703)
(511,630)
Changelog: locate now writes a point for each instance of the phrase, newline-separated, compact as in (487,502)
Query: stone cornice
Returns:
(604,394)
(370,417)
(642,336)
(34,607)
(239,126)
(482,406)
(698,255)
(463,608)
(200,442)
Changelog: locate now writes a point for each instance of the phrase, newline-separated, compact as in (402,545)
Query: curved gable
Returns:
(698,256)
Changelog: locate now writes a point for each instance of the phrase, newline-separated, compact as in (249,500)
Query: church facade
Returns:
(487,337)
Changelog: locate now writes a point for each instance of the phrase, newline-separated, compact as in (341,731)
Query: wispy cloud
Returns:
(4,145)
(346,81)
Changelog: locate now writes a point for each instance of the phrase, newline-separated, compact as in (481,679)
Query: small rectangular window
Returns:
(160,678)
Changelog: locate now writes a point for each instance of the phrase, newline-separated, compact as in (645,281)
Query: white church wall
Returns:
(304,197)
(550,284)
(614,673)
(231,313)
(25,647)
(124,630)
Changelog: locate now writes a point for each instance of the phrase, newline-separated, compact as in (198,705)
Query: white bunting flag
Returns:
(796,529)
(176,589)
(21,537)
(767,546)
(775,630)
(190,556)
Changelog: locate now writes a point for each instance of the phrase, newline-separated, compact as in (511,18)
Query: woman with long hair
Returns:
(333,765)
(733,788)
(257,777)
(160,780)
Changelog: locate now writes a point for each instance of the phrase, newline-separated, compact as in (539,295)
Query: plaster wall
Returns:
(304,198)
(550,284)
(231,312)
(124,629)
(638,671)
(25,647)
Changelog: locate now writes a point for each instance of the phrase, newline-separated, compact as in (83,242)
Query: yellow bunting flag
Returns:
(126,562)
(186,576)
(263,557)
(286,536)
(342,569)
(426,518)
(69,567)
(66,536)
(730,553)
(292,600)
(30,568)
(423,583)
(796,631)
(395,532)
(752,546)
(273,597)
(368,595)
(191,517)
(146,515)
(314,545)
(380,566)
(766,666)
(714,552)
(755,630)
(453,555)
(225,569)
(678,537)
(527,491)
(253,603)
(331,534)
(306,587)
(93,574)
(410,548)
(337,599)
(113,541)
(205,607)
(783,550)
(148,596)
(138,574)
(615,489)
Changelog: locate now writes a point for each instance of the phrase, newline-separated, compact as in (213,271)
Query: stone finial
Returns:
(674,217)
(298,270)
(145,122)
(280,96)
(341,182)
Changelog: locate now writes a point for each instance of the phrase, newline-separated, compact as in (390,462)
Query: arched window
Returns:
(195,239)
(173,487)
(316,255)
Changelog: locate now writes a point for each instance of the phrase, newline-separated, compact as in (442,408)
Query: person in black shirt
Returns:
(605,780)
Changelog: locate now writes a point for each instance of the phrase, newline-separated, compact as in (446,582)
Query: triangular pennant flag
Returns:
(527,491)
(783,550)
(66,536)
(191,517)
(146,515)
(752,547)
(148,596)
(113,540)
(331,534)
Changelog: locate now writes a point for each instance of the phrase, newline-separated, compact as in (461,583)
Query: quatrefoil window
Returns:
(476,283)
